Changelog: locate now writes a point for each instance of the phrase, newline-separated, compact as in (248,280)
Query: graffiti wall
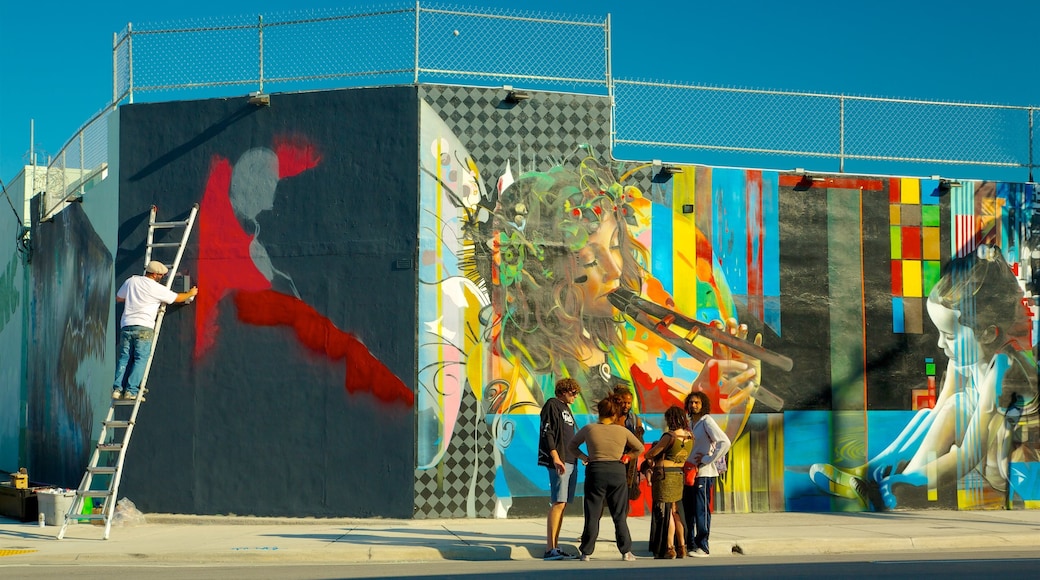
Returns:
(70,313)
(392,280)
(896,314)
(285,388)
(12,339)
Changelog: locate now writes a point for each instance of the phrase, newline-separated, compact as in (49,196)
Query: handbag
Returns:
(689,473)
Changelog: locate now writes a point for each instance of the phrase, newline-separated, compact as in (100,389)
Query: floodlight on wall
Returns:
(259,99)
(658,167)
(946,184)
(514,96)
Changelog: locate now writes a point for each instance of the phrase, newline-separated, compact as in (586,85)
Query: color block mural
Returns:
(873,287)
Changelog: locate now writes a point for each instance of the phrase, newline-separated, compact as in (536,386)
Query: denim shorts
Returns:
(561,487)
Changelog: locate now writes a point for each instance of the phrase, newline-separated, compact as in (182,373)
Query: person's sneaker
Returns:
(585,557)
(554,554)
(629,557)
(128,396)
(116,394)
(699,553)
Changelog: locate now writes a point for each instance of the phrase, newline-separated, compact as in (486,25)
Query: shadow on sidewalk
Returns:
(451,545)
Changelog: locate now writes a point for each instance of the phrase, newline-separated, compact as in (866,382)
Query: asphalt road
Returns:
(915,565)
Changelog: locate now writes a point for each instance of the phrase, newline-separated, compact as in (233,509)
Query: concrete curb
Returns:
(852,545)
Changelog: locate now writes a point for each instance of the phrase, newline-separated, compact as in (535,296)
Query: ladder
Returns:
(107,458)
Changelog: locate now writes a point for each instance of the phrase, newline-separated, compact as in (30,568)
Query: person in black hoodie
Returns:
(557,430)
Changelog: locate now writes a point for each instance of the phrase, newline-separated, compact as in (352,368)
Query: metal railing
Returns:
(412,43)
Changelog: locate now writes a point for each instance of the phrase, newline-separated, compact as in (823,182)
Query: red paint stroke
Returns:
(754,243)
(295,155)
(365,373)
(655,396)
(795,180)
(224,261)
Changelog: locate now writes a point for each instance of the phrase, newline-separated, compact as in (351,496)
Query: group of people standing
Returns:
(682,501)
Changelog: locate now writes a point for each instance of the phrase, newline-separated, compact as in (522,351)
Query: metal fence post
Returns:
(130,61)
(416,78)
(841,134)
(1032,147)
(82,165)
(610,83)
(115,66)
(260,29)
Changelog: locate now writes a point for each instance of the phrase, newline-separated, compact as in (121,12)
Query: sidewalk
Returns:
(216,539)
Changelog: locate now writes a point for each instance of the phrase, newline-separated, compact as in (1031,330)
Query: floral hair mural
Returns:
(544,290)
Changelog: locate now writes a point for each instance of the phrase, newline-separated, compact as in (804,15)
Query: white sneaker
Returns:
(585,557)
(628,557)
(116,394)
(699,553)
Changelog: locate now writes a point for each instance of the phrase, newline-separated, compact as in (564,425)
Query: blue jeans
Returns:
(697,500)
(135,345)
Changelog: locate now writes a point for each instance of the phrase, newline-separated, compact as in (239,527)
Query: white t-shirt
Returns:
(142,296)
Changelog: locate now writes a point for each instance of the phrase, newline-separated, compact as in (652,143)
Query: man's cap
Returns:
(155,267)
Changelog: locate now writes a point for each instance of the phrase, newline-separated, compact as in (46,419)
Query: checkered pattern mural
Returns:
(535,133)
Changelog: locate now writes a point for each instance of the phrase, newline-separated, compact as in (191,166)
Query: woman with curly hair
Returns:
(666,459)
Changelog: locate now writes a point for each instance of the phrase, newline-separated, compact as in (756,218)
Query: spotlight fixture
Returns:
(946,184)
(514,96)
(659,167)
(259,99)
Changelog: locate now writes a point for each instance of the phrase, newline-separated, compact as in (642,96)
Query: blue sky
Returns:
(55,62)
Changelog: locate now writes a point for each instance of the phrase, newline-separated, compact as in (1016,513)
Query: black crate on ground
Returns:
(18,504)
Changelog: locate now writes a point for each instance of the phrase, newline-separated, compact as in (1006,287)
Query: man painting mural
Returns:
(142,296)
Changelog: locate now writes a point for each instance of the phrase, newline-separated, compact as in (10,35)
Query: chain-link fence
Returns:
(412,43)
(81,164)
(393,44)
(823,132)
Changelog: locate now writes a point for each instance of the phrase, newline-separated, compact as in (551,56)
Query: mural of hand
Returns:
(736,380)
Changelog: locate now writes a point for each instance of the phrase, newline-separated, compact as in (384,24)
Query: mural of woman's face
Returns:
(600,264)
(957,341)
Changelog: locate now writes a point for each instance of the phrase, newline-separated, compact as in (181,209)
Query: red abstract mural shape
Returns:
(227,268)
(365,373)
(224,262)
(655,396)
(295,156)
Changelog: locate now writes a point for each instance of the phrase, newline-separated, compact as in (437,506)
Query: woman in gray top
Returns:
(605,481)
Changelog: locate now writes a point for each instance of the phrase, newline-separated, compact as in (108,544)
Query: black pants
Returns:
(605,481)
